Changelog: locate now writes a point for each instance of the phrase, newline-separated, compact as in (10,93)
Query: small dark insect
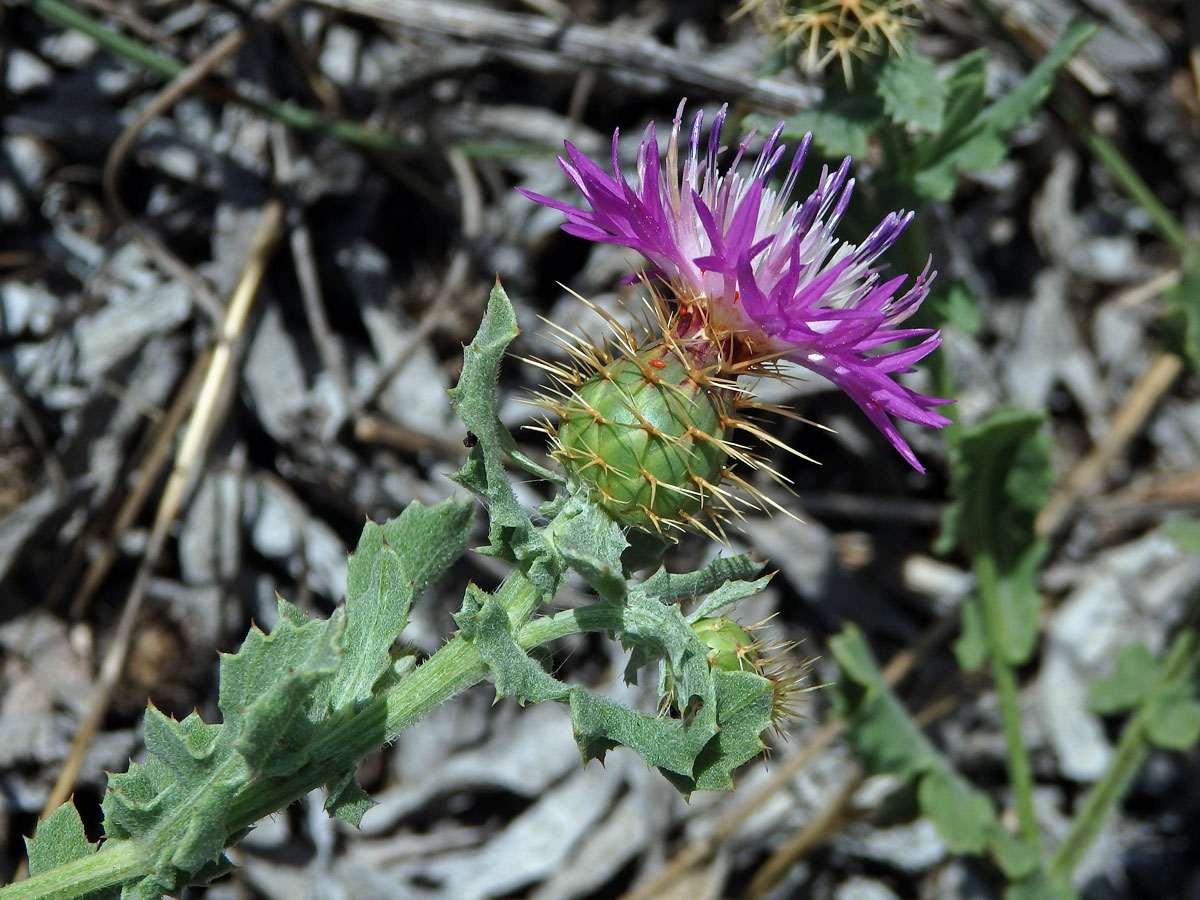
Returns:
(470,440)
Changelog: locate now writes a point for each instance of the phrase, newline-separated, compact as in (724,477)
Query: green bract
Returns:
(647,433)
(730,646)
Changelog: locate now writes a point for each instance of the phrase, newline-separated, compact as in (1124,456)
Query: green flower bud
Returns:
(647,433)
(730,646)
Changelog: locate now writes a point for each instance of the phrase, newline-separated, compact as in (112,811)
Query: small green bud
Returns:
(730,646)
(647,433)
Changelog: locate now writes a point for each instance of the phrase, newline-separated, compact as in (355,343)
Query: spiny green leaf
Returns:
(347,800)
(274,691)
(654,630)
(727,594)
(1134,673)
(485,623)
(745,703)
(392,566)
(591,542)
(511,534)
(672,745)
(176,804)
(697,751)
(669,587)
(911,91)
(60,838)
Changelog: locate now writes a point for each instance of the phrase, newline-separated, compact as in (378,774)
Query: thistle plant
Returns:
(741,281)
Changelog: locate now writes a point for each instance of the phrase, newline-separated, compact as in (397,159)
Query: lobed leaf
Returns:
(391,567)
(911,91)
(485,623)
(591,542)
(1001,478)
(1134,674)
(888,741)
(511,534)
(60,838)
(972,134)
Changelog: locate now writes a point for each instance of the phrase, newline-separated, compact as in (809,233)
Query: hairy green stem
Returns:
(1005,679)
(451,670)
(109,868)
(596,617)
(1123,767)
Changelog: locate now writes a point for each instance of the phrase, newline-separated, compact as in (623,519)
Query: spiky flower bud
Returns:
(647,432)
(730,646)
(733,648)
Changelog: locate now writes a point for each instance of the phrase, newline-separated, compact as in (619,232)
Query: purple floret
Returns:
(762,268)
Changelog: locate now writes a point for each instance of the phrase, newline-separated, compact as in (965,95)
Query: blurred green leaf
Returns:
(958,308)
(1014,857)
(973,133)
(1020,105)
(1001,478)
(1173,719)
(1185,533)
(841,126)
(1181,325)
(1134,673)
(970,648)
(887,739)
(962,815)
(1038,887)
(911,91)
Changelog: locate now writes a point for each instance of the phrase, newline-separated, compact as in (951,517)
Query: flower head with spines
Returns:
(757,276)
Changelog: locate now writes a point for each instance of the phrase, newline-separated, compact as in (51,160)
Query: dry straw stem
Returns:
(1126,423)
(149,469)
(205,418)
(204,421)
(171,94)
(828,820)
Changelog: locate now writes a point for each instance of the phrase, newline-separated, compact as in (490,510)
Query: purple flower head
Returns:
(761,272)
